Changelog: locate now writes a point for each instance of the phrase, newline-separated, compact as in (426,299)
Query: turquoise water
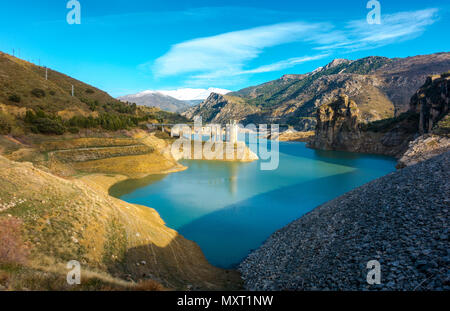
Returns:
(231,208)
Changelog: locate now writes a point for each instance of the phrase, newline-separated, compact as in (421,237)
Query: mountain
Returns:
(175,100)
(189,94)
(155,99)
(381,86)
(222,108)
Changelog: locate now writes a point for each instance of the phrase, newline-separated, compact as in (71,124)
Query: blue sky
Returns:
(128,46)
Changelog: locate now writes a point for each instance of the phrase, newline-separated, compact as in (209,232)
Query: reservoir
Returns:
(231,208)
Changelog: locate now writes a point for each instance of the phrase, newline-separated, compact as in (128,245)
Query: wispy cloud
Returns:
(227,55)
(230,51)
(394,28)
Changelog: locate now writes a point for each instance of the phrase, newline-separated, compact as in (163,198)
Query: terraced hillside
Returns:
(120,245)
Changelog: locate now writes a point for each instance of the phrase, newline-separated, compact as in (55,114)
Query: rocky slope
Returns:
(222,108)
(400,220)
(382,87)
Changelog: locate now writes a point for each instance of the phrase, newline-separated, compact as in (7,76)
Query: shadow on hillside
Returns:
(129,185)
(180,265)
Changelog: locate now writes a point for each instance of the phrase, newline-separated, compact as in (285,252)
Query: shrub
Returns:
(74,130)
(12,247)
(49,126)
(94,105)
(38,93)
(89,91)
(14,98)
(46,124)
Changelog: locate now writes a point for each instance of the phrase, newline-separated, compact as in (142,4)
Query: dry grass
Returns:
(13,248)
(76,219)
(148,285)
(15,277)
(72,220)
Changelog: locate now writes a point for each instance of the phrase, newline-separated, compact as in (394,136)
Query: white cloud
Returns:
(394,28)
(226,56)
(229,51)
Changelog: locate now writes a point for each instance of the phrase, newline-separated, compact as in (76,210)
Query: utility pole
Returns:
(73,90)
(13,53)
(46,73)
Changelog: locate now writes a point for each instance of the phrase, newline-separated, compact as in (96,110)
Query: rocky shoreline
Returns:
(401,220)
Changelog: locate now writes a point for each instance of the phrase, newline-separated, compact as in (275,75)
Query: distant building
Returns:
(232,132)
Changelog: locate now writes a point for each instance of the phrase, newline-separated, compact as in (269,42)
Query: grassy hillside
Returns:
(116,243)
(31,103)
(23,84)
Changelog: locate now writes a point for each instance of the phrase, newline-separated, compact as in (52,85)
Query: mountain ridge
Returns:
(178,100)
(382,87)
(158,100)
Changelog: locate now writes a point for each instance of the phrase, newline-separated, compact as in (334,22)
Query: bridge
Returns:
(216,132)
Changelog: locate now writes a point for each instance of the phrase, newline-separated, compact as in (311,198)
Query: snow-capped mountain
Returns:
(186,94)
(172,100)
(155,99)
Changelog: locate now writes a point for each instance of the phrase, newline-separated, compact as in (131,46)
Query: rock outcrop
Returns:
(337,124)
(340,127)
(432,102)
(400,220)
